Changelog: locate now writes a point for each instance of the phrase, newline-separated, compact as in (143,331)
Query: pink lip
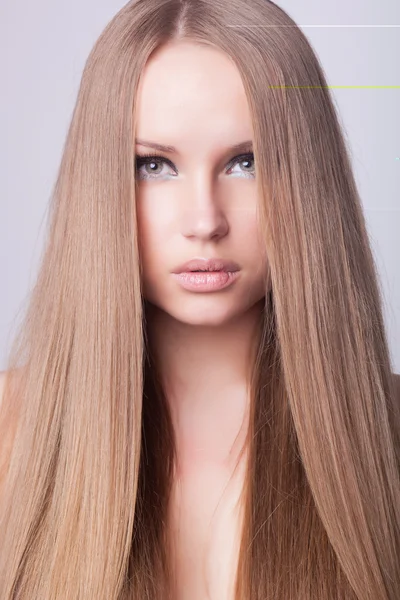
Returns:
(211,264)
(207,281)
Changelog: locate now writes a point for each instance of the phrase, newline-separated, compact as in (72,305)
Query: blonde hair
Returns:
(85,503)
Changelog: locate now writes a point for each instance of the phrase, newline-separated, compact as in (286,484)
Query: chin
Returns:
(211,312)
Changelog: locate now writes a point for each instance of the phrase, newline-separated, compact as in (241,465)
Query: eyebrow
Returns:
(241,147)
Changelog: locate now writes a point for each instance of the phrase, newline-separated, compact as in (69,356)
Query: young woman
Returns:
(227,435)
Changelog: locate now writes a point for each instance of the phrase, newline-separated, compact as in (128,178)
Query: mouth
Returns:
(208,265)
(204,270)
(206,281)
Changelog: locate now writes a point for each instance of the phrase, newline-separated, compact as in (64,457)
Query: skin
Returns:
(192,97)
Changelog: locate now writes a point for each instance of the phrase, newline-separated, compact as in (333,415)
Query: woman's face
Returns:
(198,199)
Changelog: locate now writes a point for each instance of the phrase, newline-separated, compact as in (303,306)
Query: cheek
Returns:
(152,229)
(246,232)
(147,239)
(156,213)
(250,245)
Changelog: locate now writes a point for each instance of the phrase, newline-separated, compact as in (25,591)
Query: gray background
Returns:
(43,49)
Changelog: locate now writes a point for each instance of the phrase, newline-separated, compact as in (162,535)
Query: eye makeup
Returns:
(154,157)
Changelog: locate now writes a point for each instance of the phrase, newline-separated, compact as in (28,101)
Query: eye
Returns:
(242,159)
(155,162)
(151,160)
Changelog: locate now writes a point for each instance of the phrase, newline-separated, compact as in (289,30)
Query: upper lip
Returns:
(208,264)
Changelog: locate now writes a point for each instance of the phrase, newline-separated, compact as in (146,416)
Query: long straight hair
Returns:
(84,511)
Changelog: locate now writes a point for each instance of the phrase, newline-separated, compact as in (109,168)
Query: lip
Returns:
(208,264)
(206,281)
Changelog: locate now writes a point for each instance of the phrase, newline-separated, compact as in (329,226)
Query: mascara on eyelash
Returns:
(145,159)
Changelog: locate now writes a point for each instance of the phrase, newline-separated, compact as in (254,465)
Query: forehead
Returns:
(187,92)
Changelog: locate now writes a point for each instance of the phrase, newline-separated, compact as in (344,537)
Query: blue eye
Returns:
(144,160)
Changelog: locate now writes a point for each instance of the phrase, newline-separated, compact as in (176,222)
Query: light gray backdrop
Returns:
(43,49)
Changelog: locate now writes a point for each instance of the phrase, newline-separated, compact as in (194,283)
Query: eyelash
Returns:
(145,159)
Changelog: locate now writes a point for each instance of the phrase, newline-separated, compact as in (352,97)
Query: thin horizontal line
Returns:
(364,26)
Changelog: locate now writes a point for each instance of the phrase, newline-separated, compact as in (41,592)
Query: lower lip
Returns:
(207,281)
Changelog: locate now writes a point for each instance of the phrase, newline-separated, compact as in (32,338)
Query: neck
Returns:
(205,373)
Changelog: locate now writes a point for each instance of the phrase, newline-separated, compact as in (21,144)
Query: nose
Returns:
(204,217)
